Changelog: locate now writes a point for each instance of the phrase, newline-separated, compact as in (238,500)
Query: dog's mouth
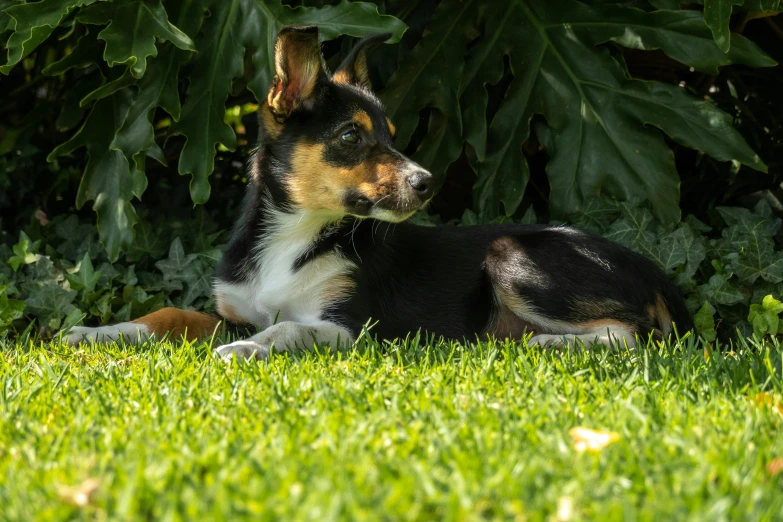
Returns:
(386,208)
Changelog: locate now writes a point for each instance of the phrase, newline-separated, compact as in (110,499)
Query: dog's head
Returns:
(327,139)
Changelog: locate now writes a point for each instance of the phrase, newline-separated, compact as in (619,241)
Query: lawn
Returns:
(410,431)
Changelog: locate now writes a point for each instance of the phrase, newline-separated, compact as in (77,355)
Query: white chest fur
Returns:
(276,290)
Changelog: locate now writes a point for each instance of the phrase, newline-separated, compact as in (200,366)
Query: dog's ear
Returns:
(353,70)
(298,63)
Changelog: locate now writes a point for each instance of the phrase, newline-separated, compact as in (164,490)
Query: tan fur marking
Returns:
(317,185)
(662,315)
(342,76)
(362,119)
(272,128)
(392,128)
(191,325)
(340,287)
(602,324)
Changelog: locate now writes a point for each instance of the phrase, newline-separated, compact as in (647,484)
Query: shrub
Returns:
(563,106)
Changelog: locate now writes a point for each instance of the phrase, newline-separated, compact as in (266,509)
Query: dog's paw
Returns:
(243,350)
(130,332)
(549,341)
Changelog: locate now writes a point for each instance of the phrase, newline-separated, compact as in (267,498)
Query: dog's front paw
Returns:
(243,350)
(78,334)
(130,332)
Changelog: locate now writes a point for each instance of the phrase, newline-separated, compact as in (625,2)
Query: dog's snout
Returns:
(422,182)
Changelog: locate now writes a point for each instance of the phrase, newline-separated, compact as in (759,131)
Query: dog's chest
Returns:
(277,289)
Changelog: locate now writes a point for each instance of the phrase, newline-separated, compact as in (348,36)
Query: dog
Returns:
(322,246)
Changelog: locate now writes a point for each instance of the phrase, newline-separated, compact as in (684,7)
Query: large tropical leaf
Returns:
(107,180)
(132,29)
(602,129)
(32,23)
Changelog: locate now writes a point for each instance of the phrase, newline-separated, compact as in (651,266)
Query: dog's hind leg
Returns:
(609,335)
(179,323)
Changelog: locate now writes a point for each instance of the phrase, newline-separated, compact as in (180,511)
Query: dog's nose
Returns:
(423,183)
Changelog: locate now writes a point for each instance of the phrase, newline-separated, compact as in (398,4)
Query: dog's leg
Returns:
(284,336)
(180,323)
(609,336)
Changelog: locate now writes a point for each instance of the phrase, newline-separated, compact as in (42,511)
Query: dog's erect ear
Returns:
(297,67)
(353,70)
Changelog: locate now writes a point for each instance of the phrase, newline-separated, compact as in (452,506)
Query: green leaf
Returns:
(757,259)
(721,290)
(177,263)
(693,247)
(10,309)
(430,77)
(158,88)
(132,30)
(717,14)
(107,179)
(635,231)
(597,215)
(234,26)
(85,278)
(33,23)
(76,240)
(765,317)
(50,303)
(705,323)
(86,52)
(602,129)
(24,252)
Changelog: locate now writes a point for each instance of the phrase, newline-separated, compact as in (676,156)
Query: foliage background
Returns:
(137,116)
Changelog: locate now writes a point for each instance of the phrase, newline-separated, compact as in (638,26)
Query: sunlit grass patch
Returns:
(407,431)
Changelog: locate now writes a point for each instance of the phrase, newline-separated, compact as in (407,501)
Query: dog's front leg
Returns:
(286,336)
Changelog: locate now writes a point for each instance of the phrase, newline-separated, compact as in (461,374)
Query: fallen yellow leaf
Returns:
(592,440)
(80,495)
(775,466)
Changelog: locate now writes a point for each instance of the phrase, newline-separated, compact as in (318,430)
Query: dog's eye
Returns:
(351,137)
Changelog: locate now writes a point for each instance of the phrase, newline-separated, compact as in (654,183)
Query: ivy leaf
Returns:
(765,317)
(177,264)
(198,283)
(10,309)
(76,240)
(634,230)
(50,303)
(24,252)
(133,27)
(233,26)
(693,247)
(107,179)
(750,223)
(33,22)
(597,215)
(85,278)
(704,322)
(757,259)
(720,290)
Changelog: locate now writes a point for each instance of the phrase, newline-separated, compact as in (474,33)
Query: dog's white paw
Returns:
(243,350)
(130,332)
(547,340)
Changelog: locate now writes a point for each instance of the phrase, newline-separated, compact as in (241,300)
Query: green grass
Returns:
(392,432)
